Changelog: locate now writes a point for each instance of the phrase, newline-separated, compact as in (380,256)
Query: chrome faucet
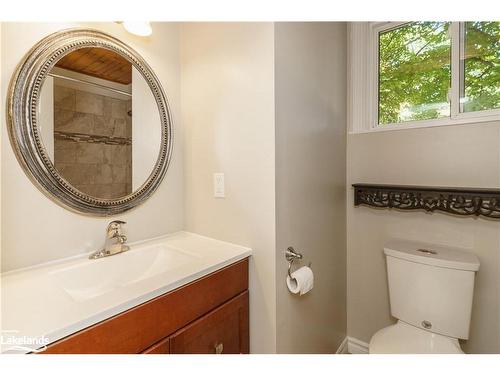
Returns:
(115,241)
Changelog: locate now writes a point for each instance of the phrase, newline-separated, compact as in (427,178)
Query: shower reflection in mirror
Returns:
(99,123)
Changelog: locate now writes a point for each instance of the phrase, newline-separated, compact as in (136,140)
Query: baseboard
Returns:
(355,346)
(342,349)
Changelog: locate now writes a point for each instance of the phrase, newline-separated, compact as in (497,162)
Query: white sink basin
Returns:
(93,278)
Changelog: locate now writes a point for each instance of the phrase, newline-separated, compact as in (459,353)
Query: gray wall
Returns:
(465,155)
(310,86)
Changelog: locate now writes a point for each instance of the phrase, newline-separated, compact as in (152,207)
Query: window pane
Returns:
(414,72)
(481,67)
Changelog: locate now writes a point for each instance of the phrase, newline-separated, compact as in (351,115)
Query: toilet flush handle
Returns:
(426,324)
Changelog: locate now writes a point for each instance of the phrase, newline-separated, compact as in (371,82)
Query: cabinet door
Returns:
(221,331)
(162,347)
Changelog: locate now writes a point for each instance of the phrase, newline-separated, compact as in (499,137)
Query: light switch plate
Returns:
(219,188)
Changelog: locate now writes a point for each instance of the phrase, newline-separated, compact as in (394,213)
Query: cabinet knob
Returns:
(219,348)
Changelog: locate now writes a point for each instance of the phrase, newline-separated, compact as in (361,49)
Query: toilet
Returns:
(430,292)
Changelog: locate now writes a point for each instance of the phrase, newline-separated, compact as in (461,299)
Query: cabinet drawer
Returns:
(162,347)
(222,331)
(135,330)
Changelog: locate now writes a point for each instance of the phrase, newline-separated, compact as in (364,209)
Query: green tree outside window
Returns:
(415,70)
(481,89)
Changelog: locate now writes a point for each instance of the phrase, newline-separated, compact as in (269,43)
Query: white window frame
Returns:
(363,88)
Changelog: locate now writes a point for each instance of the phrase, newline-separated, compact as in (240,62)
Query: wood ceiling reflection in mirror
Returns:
(98,62)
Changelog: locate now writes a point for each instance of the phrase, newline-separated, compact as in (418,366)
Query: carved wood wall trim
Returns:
(453,200)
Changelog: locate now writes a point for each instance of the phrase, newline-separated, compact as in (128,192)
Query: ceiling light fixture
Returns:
(138,28)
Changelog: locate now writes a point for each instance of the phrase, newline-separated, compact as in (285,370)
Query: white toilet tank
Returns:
(431,286)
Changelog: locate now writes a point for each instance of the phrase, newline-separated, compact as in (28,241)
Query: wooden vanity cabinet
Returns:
(222,331)
(162,347)
(208,315)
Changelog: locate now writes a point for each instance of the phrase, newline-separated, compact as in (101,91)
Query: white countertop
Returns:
(34,304)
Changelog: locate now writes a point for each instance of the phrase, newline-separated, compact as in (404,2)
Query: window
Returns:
(481,67)
(433,73)
(414,72)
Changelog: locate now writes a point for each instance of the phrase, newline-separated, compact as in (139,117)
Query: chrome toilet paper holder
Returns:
(291,255)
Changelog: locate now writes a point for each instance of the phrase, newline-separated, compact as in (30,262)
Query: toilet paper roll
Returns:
(301,282)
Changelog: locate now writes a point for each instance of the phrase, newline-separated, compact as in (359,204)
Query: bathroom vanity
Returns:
(182,293)
(209,315)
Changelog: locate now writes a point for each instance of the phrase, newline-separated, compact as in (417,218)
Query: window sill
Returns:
(429,124)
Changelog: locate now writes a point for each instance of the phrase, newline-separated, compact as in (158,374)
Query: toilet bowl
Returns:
(401,338)
(430,292)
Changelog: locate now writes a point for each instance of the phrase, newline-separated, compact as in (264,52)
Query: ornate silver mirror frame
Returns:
(24,131)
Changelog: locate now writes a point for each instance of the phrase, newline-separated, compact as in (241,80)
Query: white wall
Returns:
(228,114)
(146,130)
(464,155)
(34,229)
(310,85)
(2,114)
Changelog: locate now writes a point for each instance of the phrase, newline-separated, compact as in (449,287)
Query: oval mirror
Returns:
(89,122)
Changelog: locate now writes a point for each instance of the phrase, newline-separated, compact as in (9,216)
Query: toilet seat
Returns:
(403,338)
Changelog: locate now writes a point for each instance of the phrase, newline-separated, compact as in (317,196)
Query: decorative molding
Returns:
(456,201)
(342,349)
(355,346)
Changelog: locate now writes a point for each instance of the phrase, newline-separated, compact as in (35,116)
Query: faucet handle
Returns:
(115,226)
(119,222)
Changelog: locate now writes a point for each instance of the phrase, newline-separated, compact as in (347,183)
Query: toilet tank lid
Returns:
(433,255)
